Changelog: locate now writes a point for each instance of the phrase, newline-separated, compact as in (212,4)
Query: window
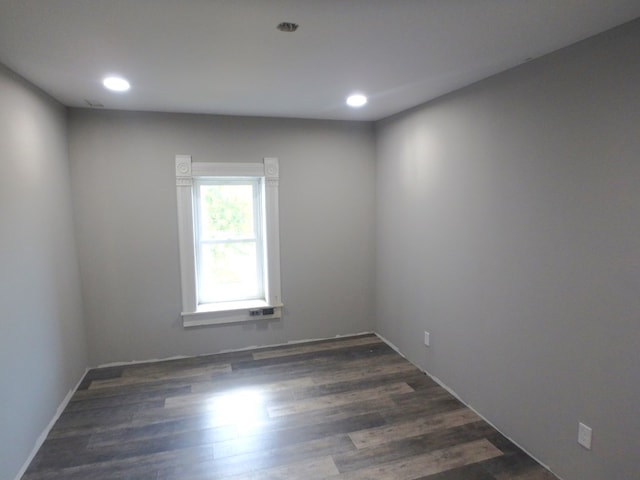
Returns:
(228,239)
(229,244)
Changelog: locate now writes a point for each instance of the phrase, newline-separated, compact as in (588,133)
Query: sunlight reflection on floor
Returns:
(242,408)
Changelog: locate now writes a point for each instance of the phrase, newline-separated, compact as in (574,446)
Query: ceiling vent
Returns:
(288,27)
(94,104)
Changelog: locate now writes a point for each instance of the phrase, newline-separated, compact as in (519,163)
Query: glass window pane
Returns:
(226,212)
(228,272)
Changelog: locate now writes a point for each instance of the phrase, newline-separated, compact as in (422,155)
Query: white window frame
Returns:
(227,312)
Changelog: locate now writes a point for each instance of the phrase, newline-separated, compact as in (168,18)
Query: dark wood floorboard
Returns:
(341,409)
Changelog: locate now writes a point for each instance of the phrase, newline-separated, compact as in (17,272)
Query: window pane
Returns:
(229,271)
(226,212)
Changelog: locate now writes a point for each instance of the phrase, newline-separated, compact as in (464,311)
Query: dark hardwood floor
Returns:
(349,409)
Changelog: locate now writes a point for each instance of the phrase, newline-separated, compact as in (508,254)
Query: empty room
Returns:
(340,239)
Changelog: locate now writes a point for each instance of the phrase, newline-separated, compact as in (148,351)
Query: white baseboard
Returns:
(231,350)
(45,432)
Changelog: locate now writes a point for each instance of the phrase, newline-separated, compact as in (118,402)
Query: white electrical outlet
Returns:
(427,339)
(584,435)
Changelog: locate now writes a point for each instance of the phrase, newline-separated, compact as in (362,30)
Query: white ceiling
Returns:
(226,56)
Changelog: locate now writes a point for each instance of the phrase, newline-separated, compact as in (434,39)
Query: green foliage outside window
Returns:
(227,216)
(229,211)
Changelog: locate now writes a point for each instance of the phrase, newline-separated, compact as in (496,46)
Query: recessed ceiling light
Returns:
(116,84)
(356,100)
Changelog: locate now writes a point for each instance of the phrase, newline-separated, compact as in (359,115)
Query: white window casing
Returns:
(269,307)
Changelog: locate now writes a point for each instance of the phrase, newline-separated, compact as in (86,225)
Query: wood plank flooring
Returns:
(343,409)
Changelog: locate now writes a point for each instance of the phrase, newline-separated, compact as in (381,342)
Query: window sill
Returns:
(231,312)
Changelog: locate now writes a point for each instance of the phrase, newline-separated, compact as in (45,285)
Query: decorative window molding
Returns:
(269,307)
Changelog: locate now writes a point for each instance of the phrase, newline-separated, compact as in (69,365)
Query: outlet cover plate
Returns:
(584,435)
(427,339)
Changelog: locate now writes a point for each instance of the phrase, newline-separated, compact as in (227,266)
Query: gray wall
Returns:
(124,192)
(508,225)
(42,343)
